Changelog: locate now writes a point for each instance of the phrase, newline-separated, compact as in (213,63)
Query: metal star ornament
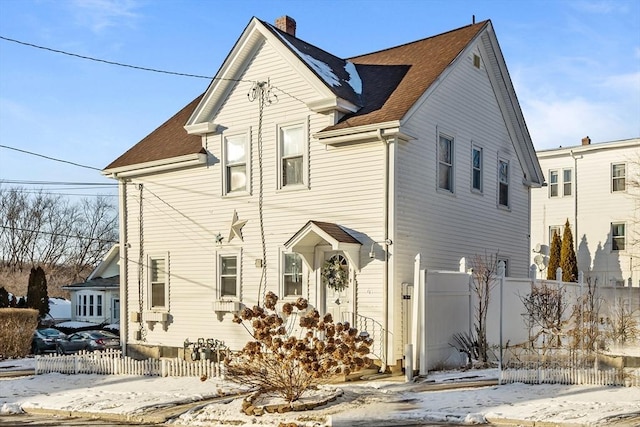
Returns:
(236,227)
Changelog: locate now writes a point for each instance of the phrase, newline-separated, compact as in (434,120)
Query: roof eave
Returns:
(162,165)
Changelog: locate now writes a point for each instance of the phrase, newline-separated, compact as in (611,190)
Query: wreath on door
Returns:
(335,273)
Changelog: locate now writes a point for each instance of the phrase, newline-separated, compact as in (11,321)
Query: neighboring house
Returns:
(294,157)
(595,187)
(97,300)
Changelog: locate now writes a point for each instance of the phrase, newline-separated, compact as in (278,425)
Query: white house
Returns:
(595,187)
(293,158)
(97,299)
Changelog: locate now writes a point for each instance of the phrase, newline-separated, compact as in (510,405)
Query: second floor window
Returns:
(235,156)
(618,175)
(567,179)
(559,188)
(503,183)
(553,183)
(445,163)
(476,169)
(292,149)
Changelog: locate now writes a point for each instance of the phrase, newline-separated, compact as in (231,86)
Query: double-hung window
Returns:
(618,175)
(292,148)
(553,184)
(158,283)
(229,277)
(292,275)
(617,236)
(476,169)
(567,180)
(236,171)
(445,163)
(503,183)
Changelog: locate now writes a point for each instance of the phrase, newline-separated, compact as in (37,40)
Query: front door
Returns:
(336,279)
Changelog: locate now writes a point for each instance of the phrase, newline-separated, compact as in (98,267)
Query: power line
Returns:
(120,64)
(58,234)
(91,184)
(49,158)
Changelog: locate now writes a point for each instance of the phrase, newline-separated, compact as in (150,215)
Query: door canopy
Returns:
(316,233)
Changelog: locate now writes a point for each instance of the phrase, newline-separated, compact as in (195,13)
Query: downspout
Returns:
(124,263)
(385,294)
(575,199)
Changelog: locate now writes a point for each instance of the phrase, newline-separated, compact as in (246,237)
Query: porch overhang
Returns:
(315,233)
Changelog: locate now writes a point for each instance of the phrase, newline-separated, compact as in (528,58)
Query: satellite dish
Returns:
(541,261)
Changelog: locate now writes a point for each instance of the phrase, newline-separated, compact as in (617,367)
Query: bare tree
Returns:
(483,281)
(545,307)
(585,329)
(622,325)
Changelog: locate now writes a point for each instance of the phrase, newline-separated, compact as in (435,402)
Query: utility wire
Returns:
(120,64)
(92,184)
(57,234)
(49,158)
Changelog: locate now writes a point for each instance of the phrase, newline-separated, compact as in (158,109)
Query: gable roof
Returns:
(394,79)
(375,88)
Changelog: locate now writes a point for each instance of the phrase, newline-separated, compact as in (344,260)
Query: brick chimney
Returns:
(287,24)
(586,140)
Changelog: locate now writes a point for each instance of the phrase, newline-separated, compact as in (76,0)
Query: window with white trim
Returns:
(618,177)
(503,183)
(292,155)
(292,275)
(228,276)
(567,181)
(445,163)
(553,183)
(158,283)
(618,236)
(236,170)
(555,229)
(476,169)
(98,305)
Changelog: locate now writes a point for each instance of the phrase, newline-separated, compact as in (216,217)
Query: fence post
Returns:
(408,362)
(501,278)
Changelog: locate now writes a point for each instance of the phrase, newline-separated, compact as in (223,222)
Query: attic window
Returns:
(476,61)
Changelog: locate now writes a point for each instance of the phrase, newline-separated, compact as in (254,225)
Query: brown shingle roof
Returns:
(169,140)
(393,79)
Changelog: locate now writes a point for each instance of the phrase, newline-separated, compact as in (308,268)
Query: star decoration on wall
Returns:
(236,227)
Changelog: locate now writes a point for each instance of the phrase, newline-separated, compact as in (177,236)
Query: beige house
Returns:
(595,187)
(296,166)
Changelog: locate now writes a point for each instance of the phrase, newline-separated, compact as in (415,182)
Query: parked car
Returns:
(87,340)
(45,340)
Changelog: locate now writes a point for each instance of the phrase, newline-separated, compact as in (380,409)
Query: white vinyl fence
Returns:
(111,362)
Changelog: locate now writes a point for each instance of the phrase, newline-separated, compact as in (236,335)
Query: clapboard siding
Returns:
(597,207)
(184,210)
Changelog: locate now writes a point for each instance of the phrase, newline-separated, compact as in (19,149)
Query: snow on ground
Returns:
(363,403)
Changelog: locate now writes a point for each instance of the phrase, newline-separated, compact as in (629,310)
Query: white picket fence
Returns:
(111,362)
(578,376)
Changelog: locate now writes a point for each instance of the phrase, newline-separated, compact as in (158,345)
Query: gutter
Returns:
(156,166)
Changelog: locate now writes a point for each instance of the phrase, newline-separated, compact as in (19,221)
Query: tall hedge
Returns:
(37,294)
(568,261)
(16,331)
(554,256)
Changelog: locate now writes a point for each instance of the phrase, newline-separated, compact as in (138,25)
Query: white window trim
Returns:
(556,184)
(564,194)
(223,150)
(303,278)
(452,138)
(508,205)
(624,236)
(219,256)
(153,256)
(481,150)
(612,177)
(304,123)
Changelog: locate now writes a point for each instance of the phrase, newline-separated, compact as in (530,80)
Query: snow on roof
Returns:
(325,71)
(75,324)
(59,308)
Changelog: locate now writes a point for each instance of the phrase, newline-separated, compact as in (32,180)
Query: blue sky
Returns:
(575,66)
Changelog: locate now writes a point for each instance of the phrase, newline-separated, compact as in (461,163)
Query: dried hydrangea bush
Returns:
(280,363)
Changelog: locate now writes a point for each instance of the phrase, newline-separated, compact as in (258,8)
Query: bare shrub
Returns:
(545,307)
(16,331)
(279,363)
